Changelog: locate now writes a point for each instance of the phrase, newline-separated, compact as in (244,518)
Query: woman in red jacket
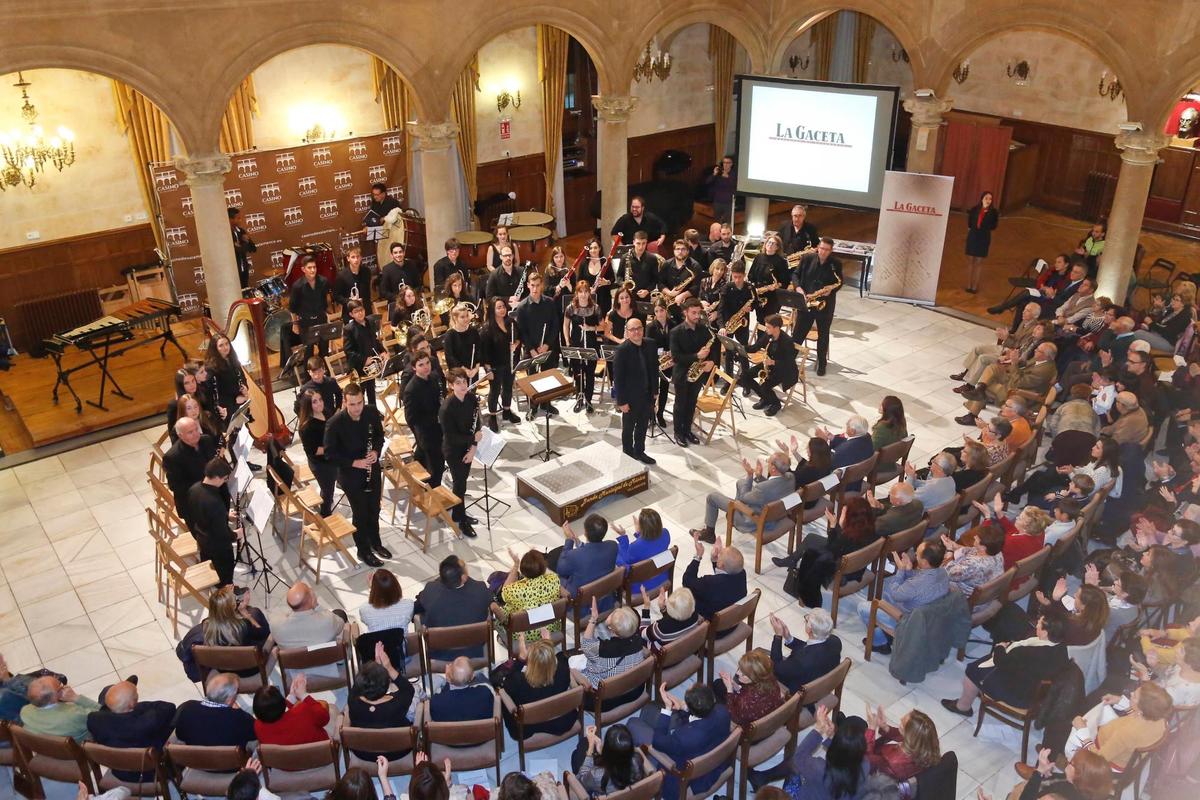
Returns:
(297,719)
(900,753)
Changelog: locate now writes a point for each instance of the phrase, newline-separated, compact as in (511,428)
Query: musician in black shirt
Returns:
(639,219)
(459,417)
(184,462)
(798,235)
(635,373)
(311,427)
(308,302)
(227,382)
(208,502)
(642,267)
(768,272)
(735,294)
(353,441)
(462,344)
(243,246)
(505,280)
(361,342)
(318,381)
(780,363)
(679,277)
(501,346)
(422,403)
(818,271)
(724,246)
(691,341)
(449,264)
(537,328)
(658,333)
(352,283)
(581,328)
(398,272)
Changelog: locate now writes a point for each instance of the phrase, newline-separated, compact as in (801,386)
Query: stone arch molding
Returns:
(746,26)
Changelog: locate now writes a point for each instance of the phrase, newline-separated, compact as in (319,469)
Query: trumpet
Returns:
(696,370)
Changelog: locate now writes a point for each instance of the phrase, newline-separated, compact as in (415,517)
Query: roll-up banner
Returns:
(912,233)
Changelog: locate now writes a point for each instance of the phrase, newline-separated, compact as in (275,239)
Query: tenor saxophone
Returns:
(691,276)
(697,368)
(818,299)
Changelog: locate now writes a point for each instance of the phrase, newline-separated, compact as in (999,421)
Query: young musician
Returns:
(422,403)
(494,258)
(798,234)
(581,328)
(361,342)
(817,271)
(321,383)
(780,363)
(353,441)
(407,303)
(658,332)
(463,346)
(695,251)
(307,304)
(643,267)
(448,264)
(680,273)
(768,272)
(537,328)
(619,318)
(595,271)
(243,246)
(419,344)
(724,246)
(226,380)
(504,280)
(735,295)
(311,426)
(635,374)
(352,283)
(691,341)
(400,271)
(188,406)
(455,289)
(459,418)
(711,286)
(191,380)
(208,503)
(501,349)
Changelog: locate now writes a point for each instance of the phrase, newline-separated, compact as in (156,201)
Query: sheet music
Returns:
(488,448)
(1040,265)
(241,446)
(541,614)
(260,508)
(241,476)
(791,501)
(831,480)
(544,384)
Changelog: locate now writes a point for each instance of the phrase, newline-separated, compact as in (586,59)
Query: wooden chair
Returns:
(645,570)
(287,499)
(338,368)
(1014,717)
(128,759)
(822,499)
(802,354)
(1132,774)
(1024,460)
(580,606)
(392,408)
(472,745)
(1002,470)
(899,542)
(162,526)
(322,536)
(766,736)
(379,740)
(648,788)
(237,659)
(966,513)
(738,620)
(543,711)
(300,768)
(54,758)
(203,771)
(773,522)
(617,687)
(890,461)
(865,559)
(512,624)
(1028,571)
(197,580)
(435,640)
(720,756)
(303,659)
(715,400)
(302,474)
(434,503)
(985,602)
(941,515)
(825,690)
(854,475)
(681,659)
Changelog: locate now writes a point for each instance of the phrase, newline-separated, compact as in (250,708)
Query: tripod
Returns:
(487,502)
(252,556)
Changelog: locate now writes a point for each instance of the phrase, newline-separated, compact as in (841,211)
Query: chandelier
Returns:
(26,155)
(653,63)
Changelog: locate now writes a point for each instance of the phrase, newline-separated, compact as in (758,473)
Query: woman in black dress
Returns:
(623,311)
(501,344)
(981,221)
(312,436)
(595,271)
(581,328)
(228,385)
(380,698)
(543,674)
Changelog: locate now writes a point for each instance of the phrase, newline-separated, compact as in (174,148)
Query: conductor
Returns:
(635,381)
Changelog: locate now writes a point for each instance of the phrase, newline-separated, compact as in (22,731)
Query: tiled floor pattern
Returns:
(77,590)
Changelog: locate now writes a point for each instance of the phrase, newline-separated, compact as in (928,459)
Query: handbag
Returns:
(791,584)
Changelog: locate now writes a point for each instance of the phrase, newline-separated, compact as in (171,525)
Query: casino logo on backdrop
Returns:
(189,303)
(327,209)
(377,174)
(349,240)
(358,150)
(293,215)
(285,162)
(392,145)
(270,192)
(185,205)
(342,180)
(247,168)
(233,198)
(198,274)
(307,186)
(277,260)
(177,237)
(803,135)
(256,222)
(322,157)
(166,181)
(362,203)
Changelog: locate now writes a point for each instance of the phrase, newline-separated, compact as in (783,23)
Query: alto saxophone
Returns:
(697,368)
(818,299)
(739,318)
(691,276)
(793,259)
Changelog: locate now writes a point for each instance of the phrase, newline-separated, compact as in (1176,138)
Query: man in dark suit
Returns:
(635,383)
(727,584)
(454,598)
(902,511)
(818,272)
(780,363)
(798,235)
(125,722)
(243,246)
(684,730)
(579,564)
(461,700)
(184,463)
(215,721)
(809,659)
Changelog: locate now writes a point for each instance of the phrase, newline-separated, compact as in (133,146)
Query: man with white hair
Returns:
(852,446)
(1030,382)
(126,722)
(726,585)
(55,709)
(461,699)
(184,463)
(816,655)
(755,491)
(1131,423)
(901,512)
(938,488)
(983,356)
(215,721)
(307,625)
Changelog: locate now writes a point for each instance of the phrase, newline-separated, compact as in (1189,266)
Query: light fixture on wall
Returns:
(26,156)
(1019,71)
(317,122)
(505,98)
(899,54)
(1110,89)
(802,63)
(317,133)
(962,71)
(653,63)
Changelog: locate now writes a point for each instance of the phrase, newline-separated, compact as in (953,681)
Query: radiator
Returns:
(39,319)
(1098,191)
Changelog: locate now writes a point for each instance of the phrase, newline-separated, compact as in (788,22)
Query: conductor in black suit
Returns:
(817,271)
(635,381)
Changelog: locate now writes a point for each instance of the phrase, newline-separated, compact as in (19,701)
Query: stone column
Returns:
(205,176)
(757,209)
(433,139)
(926,130)
(613,155)
(1139,154)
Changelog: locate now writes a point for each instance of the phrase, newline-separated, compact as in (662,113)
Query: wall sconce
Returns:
(1110,89)
(318,134)
(962,71)
(900,54)
(506,98)
(802,63)
(1019,71)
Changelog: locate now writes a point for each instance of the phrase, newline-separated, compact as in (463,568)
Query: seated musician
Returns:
(454,292)
(723,246)
(695,251)
(400,271)
(320,382)
(407,302)
(449,264)
(779,363)
(352,283)
(361,343)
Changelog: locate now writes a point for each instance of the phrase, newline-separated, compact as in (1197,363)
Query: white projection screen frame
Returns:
(822,142)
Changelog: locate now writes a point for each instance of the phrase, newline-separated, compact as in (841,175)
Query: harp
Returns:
(246,331)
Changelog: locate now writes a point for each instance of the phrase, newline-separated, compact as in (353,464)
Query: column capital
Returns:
(434,135)
(927,111)
(614,107)
(1140,148)
(207,170)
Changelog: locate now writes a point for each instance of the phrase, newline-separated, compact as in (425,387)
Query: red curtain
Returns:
(977,157)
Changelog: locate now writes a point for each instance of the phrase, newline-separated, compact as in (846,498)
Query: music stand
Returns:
(250,555)
(538,396)
(585,354)
(531,366)
(394,365)
(743,357)
(488,457)
(786,297)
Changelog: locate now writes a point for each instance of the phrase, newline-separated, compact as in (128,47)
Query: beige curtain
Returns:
(864,33)
(391,93)
(552,75)
(722,50)
(462,105)
(823,34)
(237,128)
(149,134)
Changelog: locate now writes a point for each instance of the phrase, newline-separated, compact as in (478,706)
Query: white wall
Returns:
(508,62)
(684,99)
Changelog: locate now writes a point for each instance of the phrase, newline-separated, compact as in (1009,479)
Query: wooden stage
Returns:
(148,378)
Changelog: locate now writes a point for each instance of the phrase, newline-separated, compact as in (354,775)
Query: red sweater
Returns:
(1017,545)
(302,723)
(886,755)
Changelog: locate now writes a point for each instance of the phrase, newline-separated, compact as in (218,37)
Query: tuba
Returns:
(696,370)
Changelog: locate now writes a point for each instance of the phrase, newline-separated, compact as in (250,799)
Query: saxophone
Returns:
(793,259)
(691,276)
(697,368)
(739,318)
(817,300)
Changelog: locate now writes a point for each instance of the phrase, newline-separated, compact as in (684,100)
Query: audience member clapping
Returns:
(678,617)
(539,673)
(379,698)
(649,539)
(529,584)
(752,691)
(611,764)
(299,718)
(816,655)
(901,752)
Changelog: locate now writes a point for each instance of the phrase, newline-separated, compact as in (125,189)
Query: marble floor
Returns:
(77,591)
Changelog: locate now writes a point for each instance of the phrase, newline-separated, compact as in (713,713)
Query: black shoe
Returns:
(747,391)
(132,679)
(995,309)
(254,467)
(759,779)
(370,560)
(471,520)
(467,530)
(774,409)
(782,562)
(972,291)
(645,459)
(588,407)
(579,405)
(952,707)
(820,369)
(493,423)
(958,376)
(382,551)
(975,393)
(966,387)
(881,649)
(966,419)
(693,438)
(760,405)
(681,441)
(509,416)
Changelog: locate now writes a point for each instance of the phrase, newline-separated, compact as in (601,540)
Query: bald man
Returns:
(184,463)
(305,624)
(123,721)
(461,699)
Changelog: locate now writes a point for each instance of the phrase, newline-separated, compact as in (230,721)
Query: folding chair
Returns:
(433,503)
(966,513)
(715,400)
(1028,570)
(198,580)
(985,602)
(825,690)
(854,476)
(55,758)
(865,559)
(512,624)
(617,687)
(212,659)
(322,536)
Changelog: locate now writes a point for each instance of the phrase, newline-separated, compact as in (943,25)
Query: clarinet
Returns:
(370,449)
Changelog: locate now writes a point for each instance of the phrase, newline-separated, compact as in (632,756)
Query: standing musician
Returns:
(817,271)
(464,348)
(352,283)
(322,383)
(642,267)
(307,304)
(581,328)
(243,246)
(673,274)
(695,251)
(448,264)
(353,441)
(537,322)
(639,219)
(735,294)
(184,462)
(376,225)
(691,341)
(398,272)
(798,234)
(635,373)
(493,260)
(361,342)
(501,348)
(768,272)
(226,380)
(595,271)
(208,502)
(506,279)
(419,344)
(779,363)
(723,246)
(459,417)
(557,269)
(422,402)
(311,427)
(658,332)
